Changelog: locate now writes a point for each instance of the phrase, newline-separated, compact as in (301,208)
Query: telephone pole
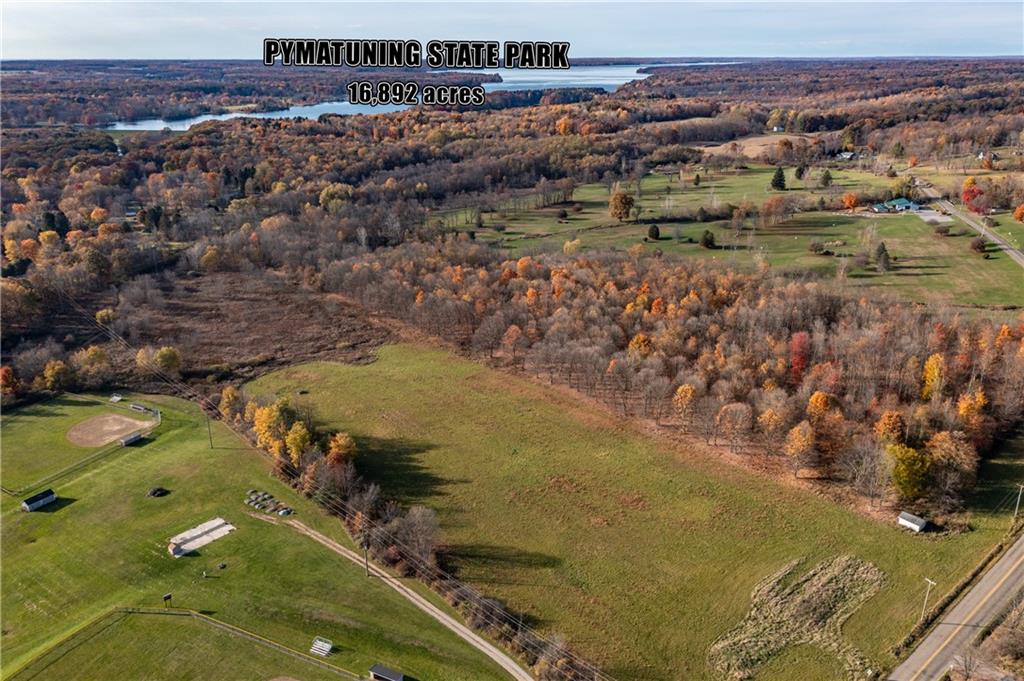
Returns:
(1020,488)
(927,592)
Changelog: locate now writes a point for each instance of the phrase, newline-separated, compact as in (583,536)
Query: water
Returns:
(607,77)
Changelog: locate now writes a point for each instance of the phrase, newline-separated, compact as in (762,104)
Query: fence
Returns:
(38,665)
(102,452)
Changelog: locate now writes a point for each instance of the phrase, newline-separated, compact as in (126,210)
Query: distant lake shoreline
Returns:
(607,77)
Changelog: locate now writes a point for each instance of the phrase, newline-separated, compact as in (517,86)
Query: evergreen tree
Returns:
(779,180)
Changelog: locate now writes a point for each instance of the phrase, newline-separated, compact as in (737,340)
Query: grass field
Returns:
(927,268)
(104,545)
(662,196)
(641,554)
(174,647)
(35,439)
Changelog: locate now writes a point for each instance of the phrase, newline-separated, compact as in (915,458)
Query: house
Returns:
(379,672)
(911,521)
(47,496)
(895,206)
(131,438)
(901,204)
(778,128)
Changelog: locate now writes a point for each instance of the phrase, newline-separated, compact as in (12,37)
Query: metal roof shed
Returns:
(47,496)
(379,672)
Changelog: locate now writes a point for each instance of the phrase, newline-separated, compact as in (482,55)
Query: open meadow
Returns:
(103,544)
(641,553)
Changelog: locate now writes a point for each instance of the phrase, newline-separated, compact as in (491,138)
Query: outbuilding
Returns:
(911,521)
(379,672)
(47,496)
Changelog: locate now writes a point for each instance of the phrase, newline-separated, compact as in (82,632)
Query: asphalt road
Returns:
(976,224)
(957,628)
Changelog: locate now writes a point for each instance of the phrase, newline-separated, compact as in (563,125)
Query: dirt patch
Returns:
(752,147)
(100,430)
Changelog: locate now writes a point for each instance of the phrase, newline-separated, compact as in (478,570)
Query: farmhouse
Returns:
(47,496)
(911,521)
(379,672)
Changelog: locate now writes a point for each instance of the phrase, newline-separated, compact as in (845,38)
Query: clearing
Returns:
(42,440)
(641,554)
(106,546)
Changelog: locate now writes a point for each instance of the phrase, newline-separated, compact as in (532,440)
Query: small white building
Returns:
(47,496)
(911,521)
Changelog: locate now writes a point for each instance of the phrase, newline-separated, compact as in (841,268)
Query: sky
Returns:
(235,30)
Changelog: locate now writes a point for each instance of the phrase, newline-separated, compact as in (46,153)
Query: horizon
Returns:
(220,31)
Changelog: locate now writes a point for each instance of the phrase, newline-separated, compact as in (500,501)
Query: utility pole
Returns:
(366,559)
(927,592)
(1020,488)
(209,430)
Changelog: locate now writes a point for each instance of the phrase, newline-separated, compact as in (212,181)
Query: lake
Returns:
(607,77)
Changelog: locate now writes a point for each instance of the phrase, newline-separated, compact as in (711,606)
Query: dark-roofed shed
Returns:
(47,496)
(379,672)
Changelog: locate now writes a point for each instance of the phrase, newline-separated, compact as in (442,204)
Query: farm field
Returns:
(167,647)
(35,438)
(104,544)
(641,554)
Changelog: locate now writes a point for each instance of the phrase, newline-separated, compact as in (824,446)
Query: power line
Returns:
(484,605)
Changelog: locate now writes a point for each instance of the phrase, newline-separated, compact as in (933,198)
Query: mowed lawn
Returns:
(641,554)
(104,544)
(926,267)
(34,437)
(662,197)
(168,647)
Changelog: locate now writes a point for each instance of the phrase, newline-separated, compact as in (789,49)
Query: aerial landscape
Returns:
(577,341)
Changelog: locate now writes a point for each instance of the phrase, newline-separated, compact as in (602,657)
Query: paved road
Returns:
(464,632)
(976,224)
(958,627)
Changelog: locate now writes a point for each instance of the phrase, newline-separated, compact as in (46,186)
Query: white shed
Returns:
(47,496)
(911,521)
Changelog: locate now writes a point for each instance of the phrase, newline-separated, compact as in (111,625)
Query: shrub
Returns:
(707,239)
(978,244)
(653,233)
